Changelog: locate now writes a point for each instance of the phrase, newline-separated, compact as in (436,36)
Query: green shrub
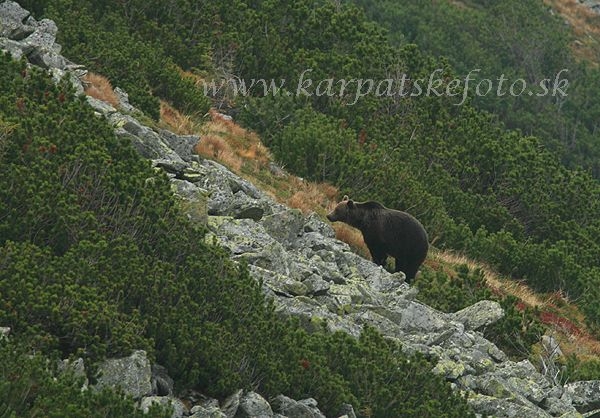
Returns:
(95,260)
(30,385)
(451,294)
(515,333)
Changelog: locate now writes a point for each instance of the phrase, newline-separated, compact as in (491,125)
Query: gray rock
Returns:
(44,36)
(99,106)
(314,223)
(279,284)
(347,410)
(500,408)
(47,59)
(132,374)
(178,408)
(479,315)
(316,286)
(247,210)
(59,75)
(285,226)
(4,333)
(13,47)
(248,241)
(233,196)
(231,405)
(585,394)
(594,5)
(174,167)
(12,21)
(162,383)
(183,145)
(207,412)
(417,317)
(193,200)
(123,98)
(252,405)
(146,141)
(297,409)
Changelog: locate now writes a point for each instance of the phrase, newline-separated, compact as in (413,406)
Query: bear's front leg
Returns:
(378,256)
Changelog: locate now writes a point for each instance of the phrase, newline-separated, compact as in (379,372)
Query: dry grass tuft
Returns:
(309,196)
(217,148)
(247,145)
(585,25)
(353,237)
(99,87)
(176,121)
(494,281)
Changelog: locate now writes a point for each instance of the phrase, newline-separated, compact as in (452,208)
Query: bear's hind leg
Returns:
(409,270)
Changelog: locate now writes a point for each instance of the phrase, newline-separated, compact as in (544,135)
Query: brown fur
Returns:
(386,232)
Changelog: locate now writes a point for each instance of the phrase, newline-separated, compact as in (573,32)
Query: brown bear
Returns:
(386,232)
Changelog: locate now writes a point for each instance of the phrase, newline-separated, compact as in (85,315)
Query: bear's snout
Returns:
(330,217)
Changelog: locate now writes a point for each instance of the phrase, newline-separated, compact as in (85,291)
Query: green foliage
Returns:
(96,260)
(451,294)
(520,328)
(102,39)
(371,373)
(30,385)
(390,384)
(577,369)
(515,333)
(514,200)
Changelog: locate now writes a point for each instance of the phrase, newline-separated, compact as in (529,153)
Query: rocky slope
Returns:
(306,271)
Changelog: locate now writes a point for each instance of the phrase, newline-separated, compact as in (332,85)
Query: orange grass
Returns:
(584,24)
(176,121)
(217,148)
(99,87)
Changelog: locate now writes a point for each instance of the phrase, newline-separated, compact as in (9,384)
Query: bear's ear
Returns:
(346,198)
(350,204)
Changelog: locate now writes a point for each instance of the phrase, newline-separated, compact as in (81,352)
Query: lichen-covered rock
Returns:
(279,284)
(132,374)
(314,223)
(479,315)
(585,395)
(252,405)
(231,404)
(178,408)
(285,226)
(183,145)
(504,408)
(12,21)
(162,383)
(123,98)
(207,411)
(306,408)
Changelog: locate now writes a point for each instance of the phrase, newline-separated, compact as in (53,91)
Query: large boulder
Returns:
(585,395)
(306,408)
(133,375)
(13,20)
(479,315)
(252,405)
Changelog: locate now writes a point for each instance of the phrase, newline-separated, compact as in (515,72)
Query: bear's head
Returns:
(342,211)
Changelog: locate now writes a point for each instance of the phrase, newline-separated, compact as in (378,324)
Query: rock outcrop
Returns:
(594,5)
(307,272)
